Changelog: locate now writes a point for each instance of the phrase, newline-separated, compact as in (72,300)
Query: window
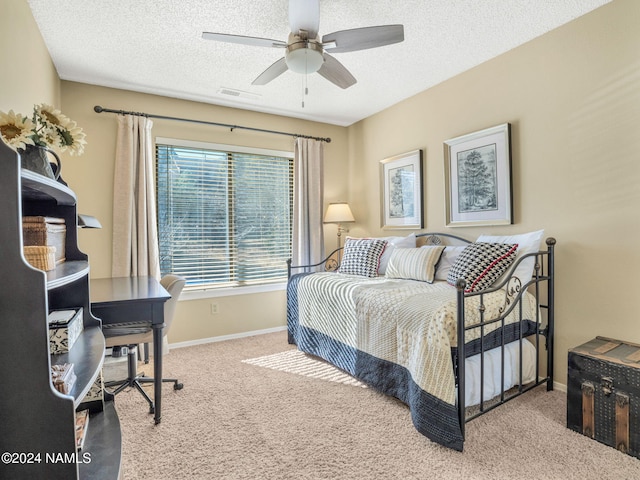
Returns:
(224,213)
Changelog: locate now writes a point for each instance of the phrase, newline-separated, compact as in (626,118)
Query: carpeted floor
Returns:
(295,361)
(236,419)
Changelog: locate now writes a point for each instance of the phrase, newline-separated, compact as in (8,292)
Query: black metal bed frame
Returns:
(514,291)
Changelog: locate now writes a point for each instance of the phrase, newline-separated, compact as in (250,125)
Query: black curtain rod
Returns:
(99,109)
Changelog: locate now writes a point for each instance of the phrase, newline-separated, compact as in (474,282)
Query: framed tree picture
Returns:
(401,191)
(478,178)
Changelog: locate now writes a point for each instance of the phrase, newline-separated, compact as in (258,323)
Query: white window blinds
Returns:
(224,217)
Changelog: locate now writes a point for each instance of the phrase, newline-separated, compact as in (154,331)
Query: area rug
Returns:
(299,363)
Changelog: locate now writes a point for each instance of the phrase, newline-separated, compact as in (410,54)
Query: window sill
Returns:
(230,291)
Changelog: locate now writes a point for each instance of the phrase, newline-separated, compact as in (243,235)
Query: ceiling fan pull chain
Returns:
(306,84)
(305,88)
(306,74)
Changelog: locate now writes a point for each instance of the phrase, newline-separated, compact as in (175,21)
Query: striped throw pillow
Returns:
(414,263)
(481,264)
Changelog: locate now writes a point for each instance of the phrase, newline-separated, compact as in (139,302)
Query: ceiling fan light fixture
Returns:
(305,52)
(304,57)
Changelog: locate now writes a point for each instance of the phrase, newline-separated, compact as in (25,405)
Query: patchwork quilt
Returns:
(397,336)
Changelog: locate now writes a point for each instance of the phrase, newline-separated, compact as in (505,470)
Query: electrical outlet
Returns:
(214,309)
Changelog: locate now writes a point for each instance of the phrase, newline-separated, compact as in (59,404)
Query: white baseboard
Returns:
(560,387)
(222,338)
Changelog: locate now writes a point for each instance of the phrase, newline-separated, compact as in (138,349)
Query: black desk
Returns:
(134,299)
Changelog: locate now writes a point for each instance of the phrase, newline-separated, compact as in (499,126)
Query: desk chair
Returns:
(130,336)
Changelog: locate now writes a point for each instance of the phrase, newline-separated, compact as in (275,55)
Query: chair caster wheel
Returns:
(178,386)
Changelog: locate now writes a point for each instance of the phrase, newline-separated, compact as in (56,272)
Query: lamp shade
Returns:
(338,213)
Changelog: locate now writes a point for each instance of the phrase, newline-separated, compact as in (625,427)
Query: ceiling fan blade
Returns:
(304,15)
(362,38)
(241,39)
(336,73)
(275,70)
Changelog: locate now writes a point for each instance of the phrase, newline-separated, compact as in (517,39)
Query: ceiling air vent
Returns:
(232,92)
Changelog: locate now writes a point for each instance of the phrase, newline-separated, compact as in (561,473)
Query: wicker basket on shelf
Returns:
(45,231)
(43,258)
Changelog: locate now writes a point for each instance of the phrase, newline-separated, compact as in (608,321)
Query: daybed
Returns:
(389,316)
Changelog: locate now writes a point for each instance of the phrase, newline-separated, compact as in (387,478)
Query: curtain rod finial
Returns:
(98,109)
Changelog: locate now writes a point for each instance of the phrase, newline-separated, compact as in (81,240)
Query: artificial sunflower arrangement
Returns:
(48,127)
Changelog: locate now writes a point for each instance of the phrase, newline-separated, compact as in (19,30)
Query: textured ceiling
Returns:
(155,46)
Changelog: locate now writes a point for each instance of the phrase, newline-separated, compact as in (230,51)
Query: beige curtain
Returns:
(135,231)
(308,196)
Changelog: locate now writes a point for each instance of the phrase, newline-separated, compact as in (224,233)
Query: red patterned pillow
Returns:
(481,264)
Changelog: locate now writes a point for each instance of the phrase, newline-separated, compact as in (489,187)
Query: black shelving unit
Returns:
(37,423)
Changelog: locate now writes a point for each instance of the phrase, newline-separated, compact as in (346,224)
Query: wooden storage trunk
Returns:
(603,393)
(45,232)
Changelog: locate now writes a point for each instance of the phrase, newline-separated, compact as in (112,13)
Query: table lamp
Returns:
(339,213)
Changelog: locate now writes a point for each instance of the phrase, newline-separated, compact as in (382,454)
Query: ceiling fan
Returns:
(305,53)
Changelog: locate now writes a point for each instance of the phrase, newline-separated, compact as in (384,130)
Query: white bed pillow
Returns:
(414,263)
(447,259)
(527,243)
(392,243)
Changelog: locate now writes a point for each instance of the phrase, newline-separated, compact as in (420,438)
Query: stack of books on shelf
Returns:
(63,377)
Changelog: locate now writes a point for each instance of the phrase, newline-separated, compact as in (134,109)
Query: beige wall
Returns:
(573,99)
(571,96)
(28,76)
(91,177)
